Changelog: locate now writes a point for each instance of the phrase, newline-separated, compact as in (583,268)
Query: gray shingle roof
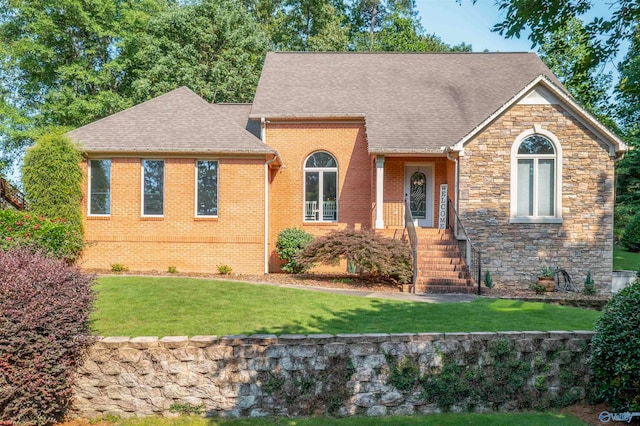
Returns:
(412,103)
(177,122)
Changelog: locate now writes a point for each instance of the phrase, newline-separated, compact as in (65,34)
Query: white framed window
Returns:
(152,187)
(320,188)
(99,187)
(536,178)
(206,188)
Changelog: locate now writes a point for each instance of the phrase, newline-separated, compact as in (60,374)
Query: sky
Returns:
(456,22)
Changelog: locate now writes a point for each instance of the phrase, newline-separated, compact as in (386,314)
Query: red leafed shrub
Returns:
(44,334)
(368,251)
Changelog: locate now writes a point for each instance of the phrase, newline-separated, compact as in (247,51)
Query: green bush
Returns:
(57,237)
(631,234)
(589,285)
(52,176)
(290,242)
(615,357)
(370,252)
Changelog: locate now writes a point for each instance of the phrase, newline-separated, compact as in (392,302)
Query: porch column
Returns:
(379,191)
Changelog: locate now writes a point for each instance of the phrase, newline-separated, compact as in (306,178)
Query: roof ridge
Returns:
(354,53)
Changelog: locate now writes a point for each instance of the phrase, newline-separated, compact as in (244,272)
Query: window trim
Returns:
(89,175)
(199,216)
(321,171)
(557,217)
(164,175)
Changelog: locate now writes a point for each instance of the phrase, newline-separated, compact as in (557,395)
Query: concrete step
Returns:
(441,274)
(443,289)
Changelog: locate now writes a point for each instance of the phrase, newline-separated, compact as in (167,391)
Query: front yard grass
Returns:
(167,306)
(445,419)
(624,260)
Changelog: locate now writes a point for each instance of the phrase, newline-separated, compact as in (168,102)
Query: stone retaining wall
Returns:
(369,374)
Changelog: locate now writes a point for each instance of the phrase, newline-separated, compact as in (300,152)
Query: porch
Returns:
(414,202)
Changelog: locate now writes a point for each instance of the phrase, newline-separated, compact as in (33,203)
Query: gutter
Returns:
(448,151)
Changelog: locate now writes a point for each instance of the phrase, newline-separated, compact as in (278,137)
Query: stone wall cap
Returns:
(171,342)
(429,337)
(142,342)
(560,334)
(113,341)
(401,337)
(234,339)
(584,333)
(321,338)
(263,339)
(481,335)
(456,336)
(349,338)
(202,341)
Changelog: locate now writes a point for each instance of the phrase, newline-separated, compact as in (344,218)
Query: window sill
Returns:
(205,218)
(98,217)
(311,223)
(520,220)
(152,218)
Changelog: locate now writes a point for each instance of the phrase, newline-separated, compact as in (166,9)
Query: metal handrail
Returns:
(472,254)
(413,240)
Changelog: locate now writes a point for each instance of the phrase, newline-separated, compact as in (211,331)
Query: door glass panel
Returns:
(418,195)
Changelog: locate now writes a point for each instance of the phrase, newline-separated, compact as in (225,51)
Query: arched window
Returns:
(320,188)
(536,178)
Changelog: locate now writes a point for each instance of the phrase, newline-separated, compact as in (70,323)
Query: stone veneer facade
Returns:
(515,253)
(241,376)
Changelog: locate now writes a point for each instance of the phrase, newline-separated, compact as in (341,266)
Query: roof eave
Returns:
(616,144)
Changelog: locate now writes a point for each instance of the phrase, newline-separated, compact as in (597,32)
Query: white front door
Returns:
(418,188)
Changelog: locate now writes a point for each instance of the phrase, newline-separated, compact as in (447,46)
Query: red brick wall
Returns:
(346,141)
(235,238)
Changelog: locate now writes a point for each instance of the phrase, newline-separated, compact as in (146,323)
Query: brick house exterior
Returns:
(336,141)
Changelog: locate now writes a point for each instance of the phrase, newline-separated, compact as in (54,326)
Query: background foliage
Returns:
(44,332)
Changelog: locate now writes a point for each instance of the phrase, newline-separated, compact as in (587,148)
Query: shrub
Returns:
(118,267)
(56,237)
(44,333)
(370,252)
(290,242)
(172,270)
(224,269)
(589,285)
(631,234)
(488,280)
(615,357)
(52,176)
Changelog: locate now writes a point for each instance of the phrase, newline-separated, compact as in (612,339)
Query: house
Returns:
(490,152)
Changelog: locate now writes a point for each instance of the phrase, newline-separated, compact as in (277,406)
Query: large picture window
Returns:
(100,187)
(320,188)
(535,180)
(152,187)
(206,188)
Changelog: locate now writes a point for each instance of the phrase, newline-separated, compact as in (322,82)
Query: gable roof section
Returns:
(412,102)
(177,122)
(615,144)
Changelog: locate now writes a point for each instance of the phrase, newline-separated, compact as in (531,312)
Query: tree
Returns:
(545,17)
(568,52)
(58,63)
(51,176)
(392,25)
(212,46)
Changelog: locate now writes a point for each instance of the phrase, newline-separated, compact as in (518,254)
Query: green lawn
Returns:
(166,306)
(625,260)
(506,419)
